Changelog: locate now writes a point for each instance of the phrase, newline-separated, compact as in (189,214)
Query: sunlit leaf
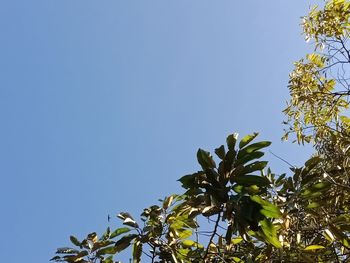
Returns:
(314,247)
(270,233)
(247,139)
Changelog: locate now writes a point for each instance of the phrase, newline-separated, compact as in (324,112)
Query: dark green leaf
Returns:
(220,152)
(137,252)
(124,242)
(74,240)
(205,159)
(107,250)
(256,166)
(66,250)
(253,148)
(268,209)
(342,237)
(248,180)
(279,180)
(231,141)
(106,234)
(55,258)
(247,158)
(188,181)
(101,244)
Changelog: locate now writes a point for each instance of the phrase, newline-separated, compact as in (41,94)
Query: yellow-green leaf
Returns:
(314,247)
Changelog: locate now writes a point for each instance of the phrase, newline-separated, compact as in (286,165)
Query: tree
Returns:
(253,214)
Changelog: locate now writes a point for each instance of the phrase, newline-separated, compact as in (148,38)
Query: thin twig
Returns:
(212,236)
(283,160)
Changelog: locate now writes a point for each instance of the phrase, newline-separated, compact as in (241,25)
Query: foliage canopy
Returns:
(253,214)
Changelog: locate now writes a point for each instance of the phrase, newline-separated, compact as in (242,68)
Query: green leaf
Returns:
(137,252)
(270,212)
(101,244)
(315,190)
(119,231)
(270,233)
(312,162)
(108,260)
(236,240)
(279,180)
(130,222)
(247,139)
(106,234)
(247,158)
(66,250)
(55,258)
(185,234)
(124,242)
(188,181)
(190,243)
(248,180)
(205,159)
(256,166)
(342,237)
(168,201)
(92,236)
(252,148)
(125,215)
(107,250)
(268,209)
(220,152)
(314,247)
(312,205)
(231,141)
(128,219)
(75,241)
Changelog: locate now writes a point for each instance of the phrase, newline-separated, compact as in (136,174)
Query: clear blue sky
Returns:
(103,104)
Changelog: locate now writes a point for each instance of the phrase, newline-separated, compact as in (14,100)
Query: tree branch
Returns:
(212,236)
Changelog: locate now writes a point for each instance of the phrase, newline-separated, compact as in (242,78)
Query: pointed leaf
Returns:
(137,252)
(247,158)
(256,166)
(247,139)
(205,159)
(231,141)
(124,242)
(130,222)
(270,233)
(314,247)
(220,152)
(252,148)
(107,250)
(75,241)
(66,250)
(248,180)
